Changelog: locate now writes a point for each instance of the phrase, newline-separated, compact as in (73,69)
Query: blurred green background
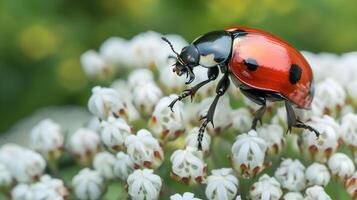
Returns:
(41,40)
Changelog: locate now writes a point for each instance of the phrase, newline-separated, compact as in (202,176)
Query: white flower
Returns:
(170,81)
(146,96)
(144,184)
(49,189)
(223,114)
(88,184)
(123,166)
(5,177)
(221,185)
(351,185)
(273,135)
(341,165)
(94,65)
(201,75)
(349,130)
(165,124)
(185,196)
(188,165)
(352,92)
(47,139)
(316,193)
(84,143)
(21,192)
(320,149)
(191,140)
(104,164)
(105,102)
(293,196)
(242,120)
(248,154)
(140,77)
(115,50)
(124,91)
(330,96)
(317,174)
(291,175)
(267,188)
(113,132)
(94,124)
(144,149)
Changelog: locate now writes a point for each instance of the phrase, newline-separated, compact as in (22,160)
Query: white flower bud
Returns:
(115,50)
(103,163)
(170,81)
(351,186)
(123,166)
(266,188)
(146,97)
(88,184)
(320,149)
(273,135)
(188,166)
(144,150)
(221,184)
(114,132)
(352,92)
(84,144)
(105,102)
(185,196)
(192,141)
(242,120)
(144,184)
(21,192)
(49,188)
(293,196)
(248,154)
(140,77)
(316,193)
(94,124)
(94,65)
(5,177)
(291,175)
(47,139)
(349,130)
(165,124)
(341,166)
(317,174)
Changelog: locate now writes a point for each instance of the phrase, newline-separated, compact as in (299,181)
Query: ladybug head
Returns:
(185,61)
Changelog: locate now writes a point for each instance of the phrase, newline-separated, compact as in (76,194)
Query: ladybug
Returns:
(264,68)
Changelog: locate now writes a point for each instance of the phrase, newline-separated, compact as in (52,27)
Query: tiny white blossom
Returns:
(352,92)
(201,75)
(248,154)
(144,184)
(94,124)
(103,163)
(320,149)
(88,184)
(191,140)
(291,175)
(144,149)
(165,124)
(273,135)
(140,77)
(341,166)
(84,144)
(169,80)
(49,189)
(105,102)
(188,166)
(21,192)
(316,193)
(221,185)
(115,50)
(351,186)
(146,96)
(5,177)
(293,196)
(47,139)
(94,65)
(349,130)
(185,196)
(114,132)
(317,174)
(123,166)
(266,188)
(242,120)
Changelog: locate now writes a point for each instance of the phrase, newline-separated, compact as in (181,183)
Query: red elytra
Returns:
(274,58)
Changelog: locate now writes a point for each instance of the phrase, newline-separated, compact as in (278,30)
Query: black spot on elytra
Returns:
(251,64)
(295,73)
(239,33)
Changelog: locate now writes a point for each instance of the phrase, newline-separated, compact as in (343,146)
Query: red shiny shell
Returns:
(279,66)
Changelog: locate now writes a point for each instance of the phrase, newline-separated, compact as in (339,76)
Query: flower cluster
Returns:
(136,140)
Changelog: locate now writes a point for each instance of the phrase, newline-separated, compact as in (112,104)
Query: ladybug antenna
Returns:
(172,48)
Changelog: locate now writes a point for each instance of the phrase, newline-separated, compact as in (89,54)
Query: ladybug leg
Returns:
(259,98)
(293,122)
(221,89)
(212,74)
